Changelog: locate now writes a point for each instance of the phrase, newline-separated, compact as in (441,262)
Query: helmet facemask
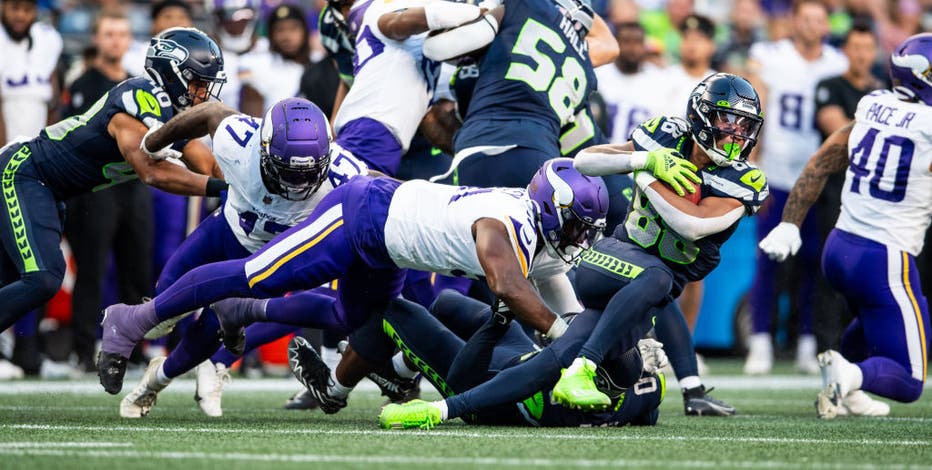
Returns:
(728,134)
(294,178)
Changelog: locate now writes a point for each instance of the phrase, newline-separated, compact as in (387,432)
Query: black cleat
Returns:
(111,368)
(230,316)
(302,401)
(697,402)
(311,371)
(398,389)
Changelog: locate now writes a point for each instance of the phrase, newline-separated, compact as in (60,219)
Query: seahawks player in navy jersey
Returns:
(665,242)
(98,149)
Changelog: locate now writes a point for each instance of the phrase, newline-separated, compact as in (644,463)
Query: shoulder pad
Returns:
(143,99)
(742,181)
(661,132)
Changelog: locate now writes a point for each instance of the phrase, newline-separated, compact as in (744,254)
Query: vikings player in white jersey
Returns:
(394,82)
(886,205)
(278,170)
(786,73)
(30,54)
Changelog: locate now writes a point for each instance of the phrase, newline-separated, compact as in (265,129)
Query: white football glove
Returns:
(652,355)
(161,154)
(781,242)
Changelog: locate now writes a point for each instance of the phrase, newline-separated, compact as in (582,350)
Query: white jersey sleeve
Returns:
(789,136)
(888,184)
(253,213)
(394,83)
(629,99)
(429,226)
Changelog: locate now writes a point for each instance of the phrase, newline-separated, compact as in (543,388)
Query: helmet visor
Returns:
(578,233)
(734,131)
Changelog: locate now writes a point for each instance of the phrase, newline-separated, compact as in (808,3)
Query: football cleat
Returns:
(121,332)
(836,383)
(576,387)
(397,389)
(232,325)
(208,390)
(302,400)
(697,402)
(806,362)
(111,368)
(10,371)
(311,371)
(413,414)
(858,403)
(140,401)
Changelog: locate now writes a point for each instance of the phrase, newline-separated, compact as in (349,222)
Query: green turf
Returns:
(775,429)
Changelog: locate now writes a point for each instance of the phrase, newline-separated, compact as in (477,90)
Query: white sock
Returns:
(330,356)
(162,380)
(337,389)
(442,405)
(398,363)
(853,377)
(692,381)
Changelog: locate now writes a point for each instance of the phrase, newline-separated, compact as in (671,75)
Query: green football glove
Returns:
(669,166)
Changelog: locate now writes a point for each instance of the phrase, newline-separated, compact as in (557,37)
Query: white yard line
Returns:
(438,461)
(47,445)
(541,434)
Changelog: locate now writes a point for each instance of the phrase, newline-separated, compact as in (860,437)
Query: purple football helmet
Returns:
(571,207)
(911,69)
(295,149)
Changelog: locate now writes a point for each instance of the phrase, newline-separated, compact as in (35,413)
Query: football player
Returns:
(869,255)
(667,241)
(97,149)
(278,169)
(365,233)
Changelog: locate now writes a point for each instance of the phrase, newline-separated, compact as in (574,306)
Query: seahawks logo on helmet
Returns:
(168,49)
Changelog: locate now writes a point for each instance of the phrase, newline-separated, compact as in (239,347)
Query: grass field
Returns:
(68,425)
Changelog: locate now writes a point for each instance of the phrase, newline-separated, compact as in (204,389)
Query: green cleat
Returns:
(413,414)
(576,389)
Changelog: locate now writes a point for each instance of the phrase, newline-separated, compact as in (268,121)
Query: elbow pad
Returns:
(443,15)
(461,40)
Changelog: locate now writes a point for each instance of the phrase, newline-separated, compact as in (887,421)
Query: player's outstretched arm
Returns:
(165,175)
(603,48)
(831,157)
(665,164)
(191,123)
(399,25)
(507,277)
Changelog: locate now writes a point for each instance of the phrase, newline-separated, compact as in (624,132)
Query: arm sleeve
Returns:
(690,227)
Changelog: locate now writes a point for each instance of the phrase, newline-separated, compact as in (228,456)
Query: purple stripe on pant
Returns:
(891,316)
(763,292)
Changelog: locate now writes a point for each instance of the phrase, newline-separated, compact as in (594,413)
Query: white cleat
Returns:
(140,401)
(858,403)
(209,391)
(838,379)
(806,362)
(760,355)
(10,371)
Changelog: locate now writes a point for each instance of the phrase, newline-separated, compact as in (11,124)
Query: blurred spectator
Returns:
(29,53)
(28,86)
(745,27)
(695,64)
(622,11)
(118,218)
(628,85)
(234,25)
(165,14)
(785,73)
(836,100)
(664,25)
(275,74)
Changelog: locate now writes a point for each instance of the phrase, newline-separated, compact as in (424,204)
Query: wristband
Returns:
(215,186)
(557,329)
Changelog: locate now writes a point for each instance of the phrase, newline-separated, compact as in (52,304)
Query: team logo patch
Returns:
(755,179)
(147,103)
(168,49)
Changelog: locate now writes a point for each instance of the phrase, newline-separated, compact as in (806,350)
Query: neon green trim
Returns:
(611,264)
(535,405)
(11,201)
(428,371)
(723,103)
(147,103)
(651,126)
(755,179)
